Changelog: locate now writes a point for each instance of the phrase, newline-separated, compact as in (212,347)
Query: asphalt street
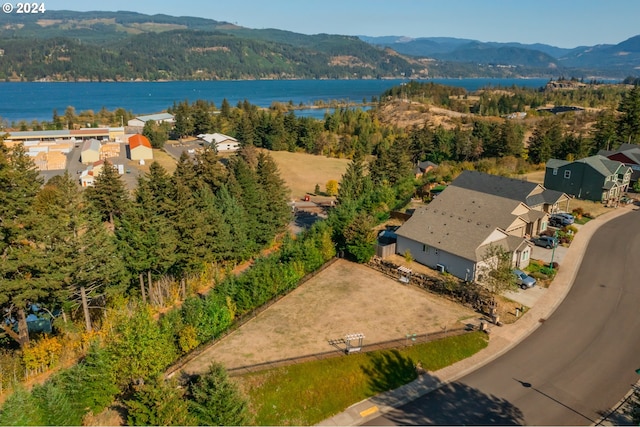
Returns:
(569,371)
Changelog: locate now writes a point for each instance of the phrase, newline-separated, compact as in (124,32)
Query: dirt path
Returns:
(345,298)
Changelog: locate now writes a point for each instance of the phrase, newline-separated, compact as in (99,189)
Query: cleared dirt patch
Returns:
(345,298)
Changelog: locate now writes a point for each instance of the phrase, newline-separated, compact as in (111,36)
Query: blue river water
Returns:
(37,100)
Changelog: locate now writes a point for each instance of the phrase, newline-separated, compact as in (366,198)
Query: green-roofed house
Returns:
(595,178)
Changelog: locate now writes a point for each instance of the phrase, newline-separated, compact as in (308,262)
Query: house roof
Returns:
(603,165)
(156,117)
(531,193)
(631,151)
(446,231)
(216,138)
(91,145)
(460,221)
(138,140)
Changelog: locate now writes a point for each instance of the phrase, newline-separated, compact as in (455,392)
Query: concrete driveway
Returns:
(526,297)
(544,254)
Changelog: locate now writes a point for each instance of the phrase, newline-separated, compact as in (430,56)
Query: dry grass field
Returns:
(303,171)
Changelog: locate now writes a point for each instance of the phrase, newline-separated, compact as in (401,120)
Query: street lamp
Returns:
(553,250)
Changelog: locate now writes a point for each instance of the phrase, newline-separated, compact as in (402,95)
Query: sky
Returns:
(561,23)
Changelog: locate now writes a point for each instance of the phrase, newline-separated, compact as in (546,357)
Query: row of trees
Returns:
(57,253)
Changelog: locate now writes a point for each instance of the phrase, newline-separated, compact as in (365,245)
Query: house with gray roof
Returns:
(595,178)
(90,151)
(629,154)
(457,229)
(157,118)
(530,193)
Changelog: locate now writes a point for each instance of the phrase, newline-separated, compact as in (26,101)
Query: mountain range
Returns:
(70,45)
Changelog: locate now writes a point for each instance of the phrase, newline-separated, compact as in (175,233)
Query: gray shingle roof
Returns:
(603,165)
(526,192)
(460,220)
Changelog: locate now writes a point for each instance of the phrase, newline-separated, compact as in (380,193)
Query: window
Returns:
(525,255)
(425,249)
(567,174)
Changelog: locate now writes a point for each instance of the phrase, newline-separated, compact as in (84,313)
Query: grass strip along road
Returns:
(307,393)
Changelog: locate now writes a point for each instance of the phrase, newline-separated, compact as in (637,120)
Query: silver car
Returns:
(524,280)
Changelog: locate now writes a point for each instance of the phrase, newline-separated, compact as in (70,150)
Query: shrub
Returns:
(578,212)
(216,401)
(539,275)
(158,403)
(21,409)
(42,355)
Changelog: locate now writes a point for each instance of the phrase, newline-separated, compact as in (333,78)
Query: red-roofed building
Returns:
(140,148)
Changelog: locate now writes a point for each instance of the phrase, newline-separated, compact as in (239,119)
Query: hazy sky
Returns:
(562,23)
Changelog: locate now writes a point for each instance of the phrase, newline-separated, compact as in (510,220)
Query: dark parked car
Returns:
(546,241)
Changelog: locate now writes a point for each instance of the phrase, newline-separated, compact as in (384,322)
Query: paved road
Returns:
(572,369)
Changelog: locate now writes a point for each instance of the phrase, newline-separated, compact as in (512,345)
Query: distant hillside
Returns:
(69,45)
(618,60)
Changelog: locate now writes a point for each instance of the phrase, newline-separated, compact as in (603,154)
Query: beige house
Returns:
(223,143)
(140,148)
(455,232)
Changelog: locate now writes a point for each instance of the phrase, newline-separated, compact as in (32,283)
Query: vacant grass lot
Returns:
(302,171)
(308,393)
(346,298)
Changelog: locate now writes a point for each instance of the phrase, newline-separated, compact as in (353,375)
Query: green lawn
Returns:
(308,393)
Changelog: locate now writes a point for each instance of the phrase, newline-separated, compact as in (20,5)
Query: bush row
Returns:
(136,348)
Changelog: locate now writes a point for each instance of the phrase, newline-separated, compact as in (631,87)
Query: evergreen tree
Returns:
(21,409)
(235,217)
(216,401)
(360,237)
(354,183)
(275,190)
(629,121)
(604,133)
(159,403)
(209,169)
(99,269)
(90,384)
(108,195)
(157,134)
(545,141)
(260,228)
(23,270)
(511,138)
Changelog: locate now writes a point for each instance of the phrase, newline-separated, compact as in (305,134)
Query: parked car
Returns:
(546,241)
(561,219)
(626,200)
(524,280)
